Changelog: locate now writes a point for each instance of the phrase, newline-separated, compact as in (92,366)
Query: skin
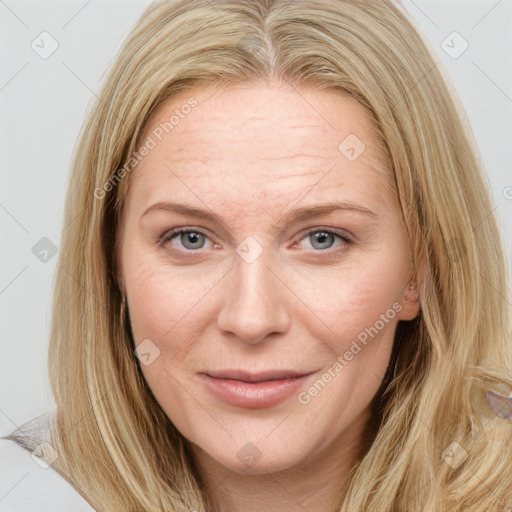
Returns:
(251,154)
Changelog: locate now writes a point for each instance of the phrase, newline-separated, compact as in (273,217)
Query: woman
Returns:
(281,286)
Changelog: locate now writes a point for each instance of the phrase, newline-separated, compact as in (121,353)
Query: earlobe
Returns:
(411,300)
(411,303)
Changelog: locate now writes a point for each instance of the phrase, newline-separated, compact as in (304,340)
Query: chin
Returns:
(251,460)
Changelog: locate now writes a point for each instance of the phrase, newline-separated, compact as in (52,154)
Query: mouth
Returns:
(240,388)
(266,376)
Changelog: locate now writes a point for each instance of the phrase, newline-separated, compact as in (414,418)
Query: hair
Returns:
(114,441)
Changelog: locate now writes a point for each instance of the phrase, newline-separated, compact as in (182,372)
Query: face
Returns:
(265,264)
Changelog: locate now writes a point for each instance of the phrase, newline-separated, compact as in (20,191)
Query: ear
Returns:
(410,301)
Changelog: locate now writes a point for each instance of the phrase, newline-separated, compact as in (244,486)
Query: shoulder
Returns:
(29,484)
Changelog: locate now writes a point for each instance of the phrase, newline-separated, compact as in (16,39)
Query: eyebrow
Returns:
(297,215)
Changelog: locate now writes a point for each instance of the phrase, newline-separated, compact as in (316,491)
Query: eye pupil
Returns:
(192,240)
(321,237)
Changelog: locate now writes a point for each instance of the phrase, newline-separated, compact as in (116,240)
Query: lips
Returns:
(239,388)
(265,376)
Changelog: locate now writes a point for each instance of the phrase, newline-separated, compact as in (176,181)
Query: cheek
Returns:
(151,309)
(347,301)
(162,298)
(164,310)
(168,306)
(356,311)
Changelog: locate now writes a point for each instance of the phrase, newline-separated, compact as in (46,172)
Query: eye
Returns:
(188,239)
(322,239)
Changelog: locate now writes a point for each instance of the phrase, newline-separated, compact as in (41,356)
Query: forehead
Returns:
(254,142)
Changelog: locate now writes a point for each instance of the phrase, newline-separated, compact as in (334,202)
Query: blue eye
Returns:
(321,239)
(189,239)
(192,240)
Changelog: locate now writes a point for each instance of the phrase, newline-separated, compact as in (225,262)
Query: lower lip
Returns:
(253,395)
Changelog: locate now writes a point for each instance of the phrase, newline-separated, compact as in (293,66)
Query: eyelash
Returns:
(169,235)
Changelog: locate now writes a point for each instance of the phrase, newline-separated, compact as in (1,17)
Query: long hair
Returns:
(436,446)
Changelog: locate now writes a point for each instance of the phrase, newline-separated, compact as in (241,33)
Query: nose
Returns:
(255,301)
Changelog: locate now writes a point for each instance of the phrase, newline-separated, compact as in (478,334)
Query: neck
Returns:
(315,485)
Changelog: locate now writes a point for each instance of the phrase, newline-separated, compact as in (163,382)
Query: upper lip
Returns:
(264,376)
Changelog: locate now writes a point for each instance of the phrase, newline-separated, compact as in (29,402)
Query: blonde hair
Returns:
(115,443)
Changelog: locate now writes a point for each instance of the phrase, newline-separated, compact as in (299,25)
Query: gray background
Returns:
(43,102)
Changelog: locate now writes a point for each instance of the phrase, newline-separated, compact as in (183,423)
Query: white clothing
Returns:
(27,481)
